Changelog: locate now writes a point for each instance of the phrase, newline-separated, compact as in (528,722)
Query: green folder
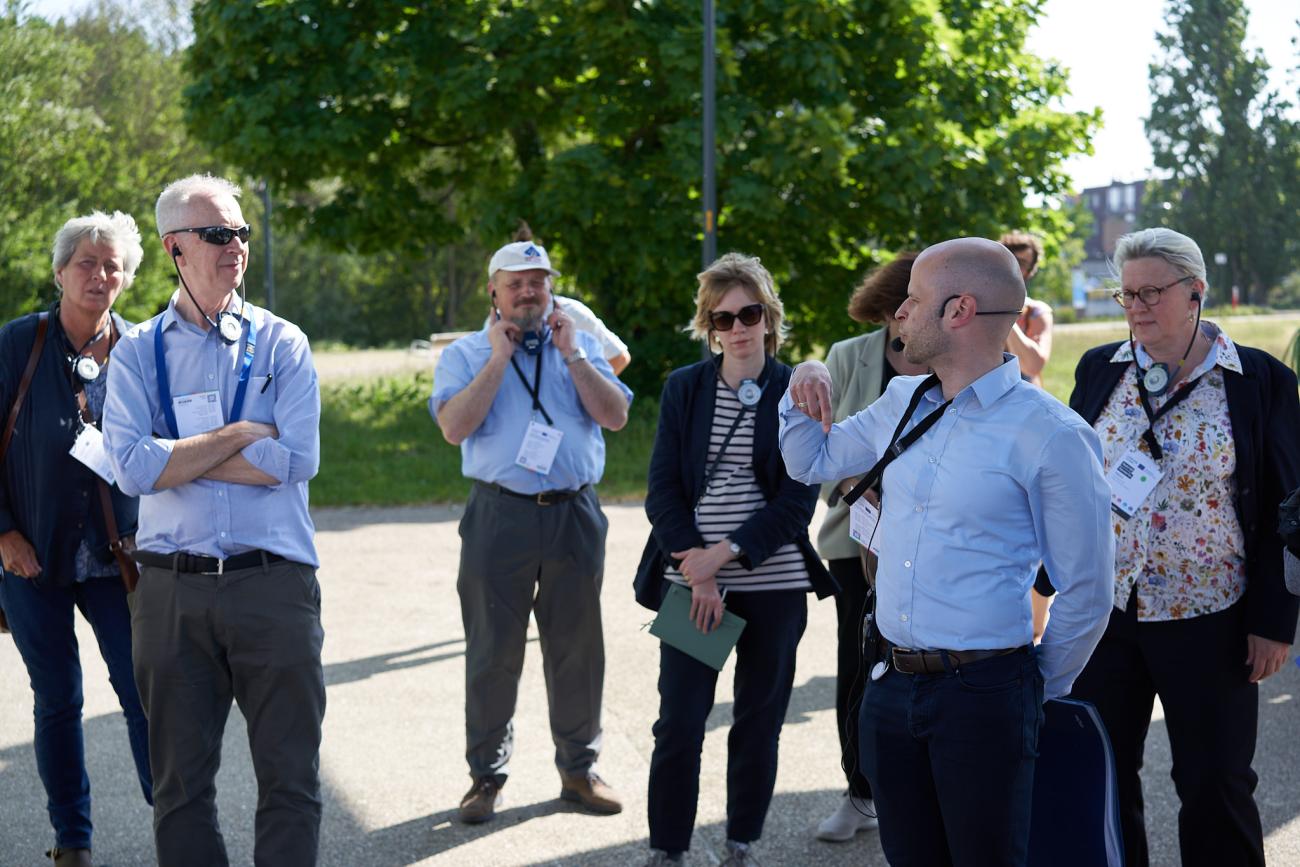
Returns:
(674,626)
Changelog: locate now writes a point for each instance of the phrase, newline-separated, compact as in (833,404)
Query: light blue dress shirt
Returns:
(489,453)
(218,519)
(1009,476)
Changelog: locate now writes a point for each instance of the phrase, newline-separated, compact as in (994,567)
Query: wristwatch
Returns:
(578,354)
(735,549)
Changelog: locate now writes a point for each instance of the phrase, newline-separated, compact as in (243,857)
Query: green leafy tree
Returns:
(844,129)
(1228,144)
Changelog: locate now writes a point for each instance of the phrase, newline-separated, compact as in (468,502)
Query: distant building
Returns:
(1115,211)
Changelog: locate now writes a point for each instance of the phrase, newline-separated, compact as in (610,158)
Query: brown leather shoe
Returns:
(480,802)
(589,790)
(69,857)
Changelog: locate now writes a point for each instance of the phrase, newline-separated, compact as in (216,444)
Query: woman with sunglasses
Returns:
(55,532)
(726,519)
(1200,447)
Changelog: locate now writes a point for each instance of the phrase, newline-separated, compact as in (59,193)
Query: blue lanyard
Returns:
(164,385)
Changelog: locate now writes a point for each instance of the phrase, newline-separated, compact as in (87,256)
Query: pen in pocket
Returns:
(265,384)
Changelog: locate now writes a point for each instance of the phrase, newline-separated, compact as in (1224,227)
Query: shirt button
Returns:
(932,460)
(223,535)
(920,508)
(210,376)
(903,617)
(907,563)
(221,493)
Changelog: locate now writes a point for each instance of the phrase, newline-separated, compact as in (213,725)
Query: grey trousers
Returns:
(200,640)
(517,556)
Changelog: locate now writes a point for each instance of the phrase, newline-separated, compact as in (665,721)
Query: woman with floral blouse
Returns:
(1200,445)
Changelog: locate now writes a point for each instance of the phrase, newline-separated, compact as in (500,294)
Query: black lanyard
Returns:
(535,390)
(898,446)
(1149,435)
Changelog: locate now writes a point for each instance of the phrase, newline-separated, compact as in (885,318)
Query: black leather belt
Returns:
(196,565)
(931,661)
(542,498)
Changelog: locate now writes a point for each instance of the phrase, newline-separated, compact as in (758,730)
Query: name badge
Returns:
(197,413)
(537,451)
(1131,481)
(89,449)
(863,518)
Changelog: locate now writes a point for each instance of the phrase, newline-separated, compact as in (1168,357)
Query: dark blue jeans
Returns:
(42,620)
(765,659)
(951,757)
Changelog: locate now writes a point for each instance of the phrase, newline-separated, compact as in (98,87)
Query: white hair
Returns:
(118,230)
(170,210)
(1173,247)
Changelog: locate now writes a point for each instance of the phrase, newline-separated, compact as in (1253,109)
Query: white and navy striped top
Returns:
(731,497)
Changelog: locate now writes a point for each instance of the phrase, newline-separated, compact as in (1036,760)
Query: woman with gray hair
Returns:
(1199,440)
(65,528)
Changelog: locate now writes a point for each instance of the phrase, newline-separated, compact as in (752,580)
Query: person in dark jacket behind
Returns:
(54,539)
(1201,614)
(726,519)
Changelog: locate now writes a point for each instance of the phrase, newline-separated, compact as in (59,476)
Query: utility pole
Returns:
(264,190)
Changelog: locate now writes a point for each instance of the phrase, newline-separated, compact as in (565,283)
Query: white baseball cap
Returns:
(521,256)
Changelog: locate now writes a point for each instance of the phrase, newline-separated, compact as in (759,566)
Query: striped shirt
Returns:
(732,495)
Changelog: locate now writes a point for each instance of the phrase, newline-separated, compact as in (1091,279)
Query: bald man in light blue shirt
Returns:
(1006,476)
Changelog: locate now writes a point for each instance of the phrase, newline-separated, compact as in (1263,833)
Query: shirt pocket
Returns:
(259,400)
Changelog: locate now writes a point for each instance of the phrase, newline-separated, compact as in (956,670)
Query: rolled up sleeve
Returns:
(294,456)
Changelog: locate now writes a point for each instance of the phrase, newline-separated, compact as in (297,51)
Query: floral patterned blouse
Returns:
(1183,549)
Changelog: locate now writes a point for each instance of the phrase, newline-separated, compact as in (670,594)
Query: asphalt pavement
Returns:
(392,766)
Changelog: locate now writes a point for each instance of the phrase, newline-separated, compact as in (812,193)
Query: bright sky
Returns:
(1106,45)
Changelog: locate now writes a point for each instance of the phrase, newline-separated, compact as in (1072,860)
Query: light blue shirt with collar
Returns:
(1008,476)
(489,453)
(212,518)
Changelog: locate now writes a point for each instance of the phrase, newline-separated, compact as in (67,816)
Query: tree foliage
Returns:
(844,129)
(1228,144)
(90,119)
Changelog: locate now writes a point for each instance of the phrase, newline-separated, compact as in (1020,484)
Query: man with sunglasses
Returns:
(212,419)
(526,398)
(983,475)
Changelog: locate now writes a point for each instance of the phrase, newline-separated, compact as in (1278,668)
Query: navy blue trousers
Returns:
(765,658)
(950,758)
(42,618)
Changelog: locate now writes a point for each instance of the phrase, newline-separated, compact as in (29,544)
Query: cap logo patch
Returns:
(532,253)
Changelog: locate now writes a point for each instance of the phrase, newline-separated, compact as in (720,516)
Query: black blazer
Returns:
(676,480)
(1265,416)
(45,493)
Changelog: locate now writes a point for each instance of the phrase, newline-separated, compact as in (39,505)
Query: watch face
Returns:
(229,327)
(87,368)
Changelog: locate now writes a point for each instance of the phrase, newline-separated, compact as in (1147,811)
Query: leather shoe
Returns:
(69,857)
(480,802)
(589,790)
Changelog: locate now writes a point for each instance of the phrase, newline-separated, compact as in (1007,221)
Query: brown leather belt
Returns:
(541,498)
(931,661)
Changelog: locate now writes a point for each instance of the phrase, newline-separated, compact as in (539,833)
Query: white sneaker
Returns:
(852,815)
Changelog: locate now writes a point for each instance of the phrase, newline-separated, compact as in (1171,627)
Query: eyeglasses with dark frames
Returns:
(722,320)
(1148,295)
(219,235)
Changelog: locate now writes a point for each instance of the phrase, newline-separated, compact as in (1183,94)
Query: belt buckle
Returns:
(221,568)
(541,499)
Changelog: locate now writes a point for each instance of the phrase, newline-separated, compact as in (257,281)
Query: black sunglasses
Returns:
(721,320)
(219,235)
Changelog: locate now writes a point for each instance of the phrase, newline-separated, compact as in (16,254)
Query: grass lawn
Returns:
(380,447)
(1272,334)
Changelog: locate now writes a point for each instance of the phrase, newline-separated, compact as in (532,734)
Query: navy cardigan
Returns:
(1265,416)
(676,478)
(46,494)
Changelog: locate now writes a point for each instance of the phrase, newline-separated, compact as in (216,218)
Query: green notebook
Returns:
(674,626)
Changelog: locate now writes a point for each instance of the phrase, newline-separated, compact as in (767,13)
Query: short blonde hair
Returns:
(118,230)
(729,271)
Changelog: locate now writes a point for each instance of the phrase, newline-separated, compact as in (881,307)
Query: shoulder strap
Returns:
(42,324)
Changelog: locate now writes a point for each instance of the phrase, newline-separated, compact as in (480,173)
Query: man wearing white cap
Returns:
(525,398)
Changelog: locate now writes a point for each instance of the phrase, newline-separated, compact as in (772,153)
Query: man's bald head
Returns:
(978,267)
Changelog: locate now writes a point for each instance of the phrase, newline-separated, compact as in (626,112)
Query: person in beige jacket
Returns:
(859,367)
